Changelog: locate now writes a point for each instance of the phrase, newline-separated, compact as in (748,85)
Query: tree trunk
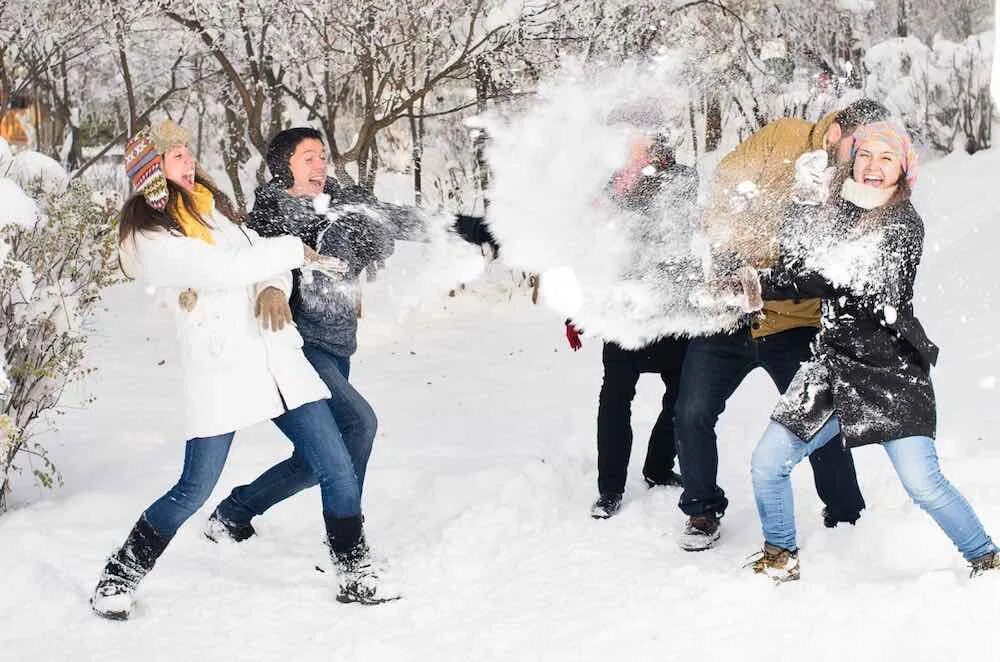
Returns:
(713,123)
(902,20)
(417,139)
(484,77)
(234,153)
(694,129)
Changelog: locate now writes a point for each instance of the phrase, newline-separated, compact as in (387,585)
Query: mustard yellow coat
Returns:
(767,159)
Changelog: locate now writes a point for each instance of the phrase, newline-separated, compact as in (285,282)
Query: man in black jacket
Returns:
(350,224)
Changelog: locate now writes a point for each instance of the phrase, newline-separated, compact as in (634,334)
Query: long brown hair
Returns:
(137,215)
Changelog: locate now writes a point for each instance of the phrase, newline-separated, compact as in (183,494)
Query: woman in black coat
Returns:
(869,375)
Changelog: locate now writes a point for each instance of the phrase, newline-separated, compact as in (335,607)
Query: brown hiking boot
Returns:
(990,561)
(781,565)
(701,532)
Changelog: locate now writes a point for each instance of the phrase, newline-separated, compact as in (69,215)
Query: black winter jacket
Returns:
(358,229)
(871,358)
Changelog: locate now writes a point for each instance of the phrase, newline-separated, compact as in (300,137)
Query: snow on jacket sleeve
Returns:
(888,283)
(168,260)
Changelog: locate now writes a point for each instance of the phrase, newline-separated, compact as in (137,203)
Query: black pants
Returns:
(713,368)
(622,368)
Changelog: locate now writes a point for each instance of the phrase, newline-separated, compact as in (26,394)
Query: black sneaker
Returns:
(672,479)
(219,528)
(701,532)
(831,521)
(607,506)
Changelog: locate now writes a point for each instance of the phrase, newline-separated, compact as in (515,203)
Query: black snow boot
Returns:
(358,577)
(114,594)
(831,519)
(219,528)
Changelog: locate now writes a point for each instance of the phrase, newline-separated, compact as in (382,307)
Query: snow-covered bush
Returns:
(942,92)
(57,252)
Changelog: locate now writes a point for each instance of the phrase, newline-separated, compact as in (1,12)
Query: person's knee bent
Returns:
(694,408)
(368,423)
(923,481)
(191,496)
(775,456)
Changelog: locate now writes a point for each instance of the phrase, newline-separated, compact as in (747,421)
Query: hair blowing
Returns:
(137,215)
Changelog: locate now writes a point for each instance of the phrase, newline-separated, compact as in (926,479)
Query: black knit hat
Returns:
(281,148)
(862,111)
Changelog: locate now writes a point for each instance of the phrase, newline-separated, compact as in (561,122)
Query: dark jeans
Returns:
(354,436)
(713,368)
(311,430)
(622,368)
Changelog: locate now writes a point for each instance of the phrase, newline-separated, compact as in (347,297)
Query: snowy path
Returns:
(478,495)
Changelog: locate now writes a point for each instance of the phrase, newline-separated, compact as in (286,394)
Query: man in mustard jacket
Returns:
(749,193)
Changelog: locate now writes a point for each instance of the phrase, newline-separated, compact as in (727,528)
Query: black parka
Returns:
(871,359)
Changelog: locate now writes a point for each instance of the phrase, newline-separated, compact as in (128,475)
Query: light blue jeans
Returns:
(914,459)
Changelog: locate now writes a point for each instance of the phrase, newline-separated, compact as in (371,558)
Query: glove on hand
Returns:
(573,336)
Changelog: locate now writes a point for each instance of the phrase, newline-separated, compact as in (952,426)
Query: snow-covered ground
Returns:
(478,495)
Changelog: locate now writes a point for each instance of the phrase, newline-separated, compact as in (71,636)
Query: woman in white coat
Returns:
(181,236)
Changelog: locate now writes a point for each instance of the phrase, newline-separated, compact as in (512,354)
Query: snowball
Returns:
(321,203)
(747,189)
(561,290)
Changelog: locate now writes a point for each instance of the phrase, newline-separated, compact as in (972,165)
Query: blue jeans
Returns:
(311,430)
(714,367)
(354,435)
(914,459)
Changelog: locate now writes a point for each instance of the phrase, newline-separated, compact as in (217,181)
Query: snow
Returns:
(620,274)
(16,208)
(919,83)
(995,76)
(479,491)
(35,170)
(6,157)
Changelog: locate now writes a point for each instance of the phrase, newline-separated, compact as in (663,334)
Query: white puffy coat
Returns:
(236,373)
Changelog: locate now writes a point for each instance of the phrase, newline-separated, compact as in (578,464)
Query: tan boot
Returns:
(986,562)
(781,565)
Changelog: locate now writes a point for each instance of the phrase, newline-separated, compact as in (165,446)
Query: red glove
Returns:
(573,336)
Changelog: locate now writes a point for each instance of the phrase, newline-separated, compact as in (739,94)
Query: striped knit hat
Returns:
(898,141)
(144,167)
(144,160)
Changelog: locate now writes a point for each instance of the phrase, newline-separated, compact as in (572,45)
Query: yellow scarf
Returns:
(204,204)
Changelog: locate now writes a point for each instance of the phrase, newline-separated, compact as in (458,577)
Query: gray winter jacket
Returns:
(357,229)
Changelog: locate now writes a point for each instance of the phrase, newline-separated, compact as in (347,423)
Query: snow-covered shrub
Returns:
(942,92)
(57,252)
